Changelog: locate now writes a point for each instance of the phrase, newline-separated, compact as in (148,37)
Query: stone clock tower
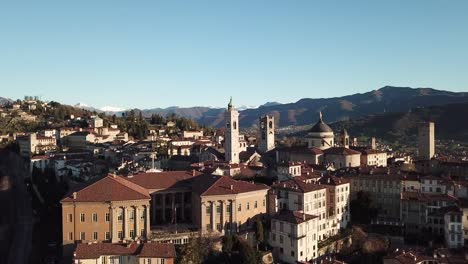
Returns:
(231,135)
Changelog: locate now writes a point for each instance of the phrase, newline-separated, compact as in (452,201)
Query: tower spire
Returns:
(320,116)
(230,103)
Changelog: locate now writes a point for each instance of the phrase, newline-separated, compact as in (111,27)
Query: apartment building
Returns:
(293,236)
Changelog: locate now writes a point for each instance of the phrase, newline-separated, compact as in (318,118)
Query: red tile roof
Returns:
(109,188)
(299,184)
(164,180)
(157,250)
(94,251)
(293,217)
(207,185)
(340,151)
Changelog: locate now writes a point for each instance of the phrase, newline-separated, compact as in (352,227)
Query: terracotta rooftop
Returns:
(299,184)
(146,250)
(109,188)
(207,185)
(340,151)
(293,217)
(163,180)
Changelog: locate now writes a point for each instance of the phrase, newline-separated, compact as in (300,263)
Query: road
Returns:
(20,248)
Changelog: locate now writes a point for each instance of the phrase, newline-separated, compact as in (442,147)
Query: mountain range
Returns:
(4,101)
(449,122)
(387,99)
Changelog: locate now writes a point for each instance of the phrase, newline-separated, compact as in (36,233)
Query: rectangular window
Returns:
(143,214)
(281,239)
(163,261)
(82,217)
(264,203)
(219,226)
(281,227)
(120,235)
(70,218)
(95,218)
(95,236)
(120,216)
(255,205)
(229,208)
(248,206)
(107,217)
(239,208)
(108,236)
(218,209)
(132,233)
(208,210)
(132,215)
(82,236)
(70,236)
(142,232)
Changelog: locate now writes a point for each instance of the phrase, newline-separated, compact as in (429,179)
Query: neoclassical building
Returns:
(224,205)
(112,209)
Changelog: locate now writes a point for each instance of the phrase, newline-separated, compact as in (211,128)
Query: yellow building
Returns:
(112,209)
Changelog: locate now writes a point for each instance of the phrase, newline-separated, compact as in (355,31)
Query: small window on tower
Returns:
(228,125)
(270,124)
(234,125)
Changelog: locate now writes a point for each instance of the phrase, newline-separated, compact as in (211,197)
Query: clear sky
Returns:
(161,53)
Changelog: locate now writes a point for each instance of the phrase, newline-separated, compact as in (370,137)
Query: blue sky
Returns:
(161,53)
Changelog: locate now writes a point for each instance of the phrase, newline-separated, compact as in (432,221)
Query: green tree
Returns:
(259,232)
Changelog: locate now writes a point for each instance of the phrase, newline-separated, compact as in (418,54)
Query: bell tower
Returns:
(266,135)
(231,135)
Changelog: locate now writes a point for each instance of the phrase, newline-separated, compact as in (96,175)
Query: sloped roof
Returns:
(293,217)
(164,180)
(109,188)
(299,184)
(340,151)
(207,185)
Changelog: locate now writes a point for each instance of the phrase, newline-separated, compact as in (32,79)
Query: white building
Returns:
(453,229)
(293,236)
(231,137)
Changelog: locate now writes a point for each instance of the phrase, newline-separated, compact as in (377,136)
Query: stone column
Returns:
(213,214)
(163,208)
(125,223)
(114,234)
(137,222)
(202,217)
(223,216)
(234,227)
(147,223)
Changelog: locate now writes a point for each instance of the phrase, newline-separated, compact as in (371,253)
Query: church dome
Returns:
(321,127)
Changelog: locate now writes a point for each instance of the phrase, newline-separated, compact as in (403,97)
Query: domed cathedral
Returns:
(321,135)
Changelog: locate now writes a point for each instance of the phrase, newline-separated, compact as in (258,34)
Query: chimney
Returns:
(303,216)
(231,187)
(74,195)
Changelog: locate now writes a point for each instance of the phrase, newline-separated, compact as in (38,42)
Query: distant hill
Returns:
(4,101)
(305,111)
(449,123)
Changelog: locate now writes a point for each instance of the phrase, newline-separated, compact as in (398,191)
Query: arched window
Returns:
(234,125)
(270,124)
